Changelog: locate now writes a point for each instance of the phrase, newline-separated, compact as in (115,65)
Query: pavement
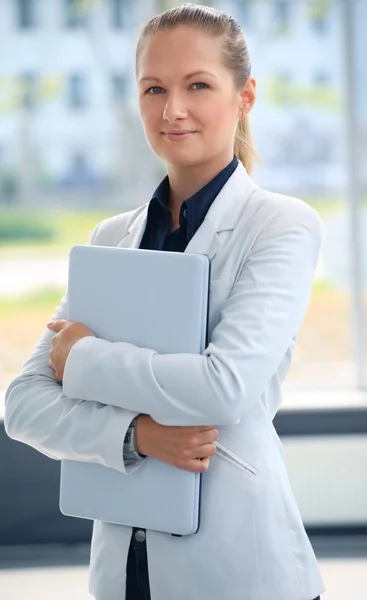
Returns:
(22,276)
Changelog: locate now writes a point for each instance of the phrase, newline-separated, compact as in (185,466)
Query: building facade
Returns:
(68,111)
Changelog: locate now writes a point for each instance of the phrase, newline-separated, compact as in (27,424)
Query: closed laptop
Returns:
(153,299)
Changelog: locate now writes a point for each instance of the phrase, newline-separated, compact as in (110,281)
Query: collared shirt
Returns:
(158,235)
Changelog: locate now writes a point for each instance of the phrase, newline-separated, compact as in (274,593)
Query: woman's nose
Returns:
(174,110)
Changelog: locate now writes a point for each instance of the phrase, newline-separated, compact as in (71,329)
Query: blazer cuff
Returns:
(75,378)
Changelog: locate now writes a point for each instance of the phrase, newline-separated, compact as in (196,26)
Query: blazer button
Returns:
(140,535)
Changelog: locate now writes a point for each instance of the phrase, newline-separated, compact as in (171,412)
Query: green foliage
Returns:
(15,228)
(46,299)
(56,230)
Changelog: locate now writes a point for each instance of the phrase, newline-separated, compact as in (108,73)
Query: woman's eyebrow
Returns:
(148,77)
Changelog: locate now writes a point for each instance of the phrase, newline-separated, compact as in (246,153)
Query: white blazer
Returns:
(252,544)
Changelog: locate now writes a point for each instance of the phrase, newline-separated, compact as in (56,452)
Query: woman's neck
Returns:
(186,181)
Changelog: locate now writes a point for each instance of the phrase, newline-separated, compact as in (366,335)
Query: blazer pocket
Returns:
(232,458)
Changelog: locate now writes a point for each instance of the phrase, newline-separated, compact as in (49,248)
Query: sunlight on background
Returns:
(70,136)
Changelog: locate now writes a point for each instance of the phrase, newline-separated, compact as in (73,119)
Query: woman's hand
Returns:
(178,446)
(68,333)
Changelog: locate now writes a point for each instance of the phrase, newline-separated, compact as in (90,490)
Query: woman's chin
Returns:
(180,159)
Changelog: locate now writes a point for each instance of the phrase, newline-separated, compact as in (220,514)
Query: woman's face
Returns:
(187,98)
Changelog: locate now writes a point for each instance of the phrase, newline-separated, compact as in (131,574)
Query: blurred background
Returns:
(70,135)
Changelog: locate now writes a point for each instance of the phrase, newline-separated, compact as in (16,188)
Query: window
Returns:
(28,90)
(77,91)
(321,78)
(243,12)
(320,24)
(26,14)
(75,14)
(119,87)
(320,16)
(282,13)
(284,87)
(118,10)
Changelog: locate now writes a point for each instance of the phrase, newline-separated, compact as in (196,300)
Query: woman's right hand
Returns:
(179,446)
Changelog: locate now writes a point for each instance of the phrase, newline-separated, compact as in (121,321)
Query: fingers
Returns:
(196,460)
(206,427)
(208,437)
(56,374)
(198,466)
(57,326)
(205,451)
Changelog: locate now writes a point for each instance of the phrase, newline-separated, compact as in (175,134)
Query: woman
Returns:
(195,93)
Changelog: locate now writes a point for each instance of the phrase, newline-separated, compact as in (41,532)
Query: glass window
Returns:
(319,24)
(321,78)
(77,90)
(119,87)
(118,13)
(75,14)
(28,90)
(282,14)
(320,16)
(299,130)
(242,12)
(26,14)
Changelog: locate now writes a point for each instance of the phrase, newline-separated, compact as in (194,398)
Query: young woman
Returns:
(195,93)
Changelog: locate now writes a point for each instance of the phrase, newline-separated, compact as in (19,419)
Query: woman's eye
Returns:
(154,90)
(200,84)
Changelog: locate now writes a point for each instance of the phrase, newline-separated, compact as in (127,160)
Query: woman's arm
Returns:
(39,414)
(262,315)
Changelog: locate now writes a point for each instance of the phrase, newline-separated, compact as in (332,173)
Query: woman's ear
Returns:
(248,96)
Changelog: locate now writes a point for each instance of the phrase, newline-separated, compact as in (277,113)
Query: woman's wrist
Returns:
(142,423)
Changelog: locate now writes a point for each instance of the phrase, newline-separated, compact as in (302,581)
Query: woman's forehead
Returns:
(181,50)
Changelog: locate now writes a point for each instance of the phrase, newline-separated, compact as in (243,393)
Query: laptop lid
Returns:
(152,299)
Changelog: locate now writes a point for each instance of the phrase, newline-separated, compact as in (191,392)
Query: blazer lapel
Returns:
(135,231)
(221,217)
(223,214)
(205,241)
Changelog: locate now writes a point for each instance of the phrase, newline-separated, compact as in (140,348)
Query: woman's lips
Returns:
(178,136)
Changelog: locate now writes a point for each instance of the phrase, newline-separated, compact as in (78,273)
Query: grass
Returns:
(43,300)
(326,334)
(69,228)
(72,227)
(48,299)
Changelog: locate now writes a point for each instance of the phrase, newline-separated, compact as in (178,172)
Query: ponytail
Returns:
(243,145)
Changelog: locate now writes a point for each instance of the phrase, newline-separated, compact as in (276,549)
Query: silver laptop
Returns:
(152,299)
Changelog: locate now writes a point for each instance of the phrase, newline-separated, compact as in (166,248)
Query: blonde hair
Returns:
(236,55)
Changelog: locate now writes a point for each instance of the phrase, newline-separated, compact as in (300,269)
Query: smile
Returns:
(177,137)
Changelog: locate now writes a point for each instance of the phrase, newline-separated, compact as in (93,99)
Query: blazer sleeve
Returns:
(258,322)
(38,413)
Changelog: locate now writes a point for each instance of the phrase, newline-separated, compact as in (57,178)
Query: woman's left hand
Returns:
(68,333)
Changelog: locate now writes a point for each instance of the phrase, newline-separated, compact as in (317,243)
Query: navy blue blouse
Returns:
(158,234)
